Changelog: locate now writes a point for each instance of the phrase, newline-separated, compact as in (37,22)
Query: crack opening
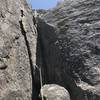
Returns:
(34,85)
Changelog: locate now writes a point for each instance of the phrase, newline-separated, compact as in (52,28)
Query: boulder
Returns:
(54,92)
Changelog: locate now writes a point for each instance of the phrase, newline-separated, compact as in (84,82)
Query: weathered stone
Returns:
(17,51)
(67,50)
(2,65)
(70,40)
(54,92)
(14,95)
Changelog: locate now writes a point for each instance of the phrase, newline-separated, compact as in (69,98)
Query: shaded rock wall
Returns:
(70,37)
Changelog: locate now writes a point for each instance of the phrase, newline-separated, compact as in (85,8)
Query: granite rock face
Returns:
(67,48)
(70,41)
(17,50)
(54,92)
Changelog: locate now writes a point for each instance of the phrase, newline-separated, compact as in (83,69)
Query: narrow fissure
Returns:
(41,57)
(40,62)
(34,85)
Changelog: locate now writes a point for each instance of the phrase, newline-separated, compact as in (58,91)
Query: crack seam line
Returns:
(29,52)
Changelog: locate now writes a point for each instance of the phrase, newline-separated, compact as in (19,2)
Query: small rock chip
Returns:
(2,66)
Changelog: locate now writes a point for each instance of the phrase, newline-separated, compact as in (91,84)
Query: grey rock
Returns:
(71,47)
(14,95)
(2,65)
(40,12)
(66,47)
(54,92)
(17,50)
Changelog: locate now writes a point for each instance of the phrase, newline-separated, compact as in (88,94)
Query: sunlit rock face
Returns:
(70,37)
(16,45)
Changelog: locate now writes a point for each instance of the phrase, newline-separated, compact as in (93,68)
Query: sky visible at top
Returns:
(43,4)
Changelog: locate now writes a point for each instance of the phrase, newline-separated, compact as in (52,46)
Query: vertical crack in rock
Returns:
(29,54)
(52,62)
(41,62)
(19,44)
